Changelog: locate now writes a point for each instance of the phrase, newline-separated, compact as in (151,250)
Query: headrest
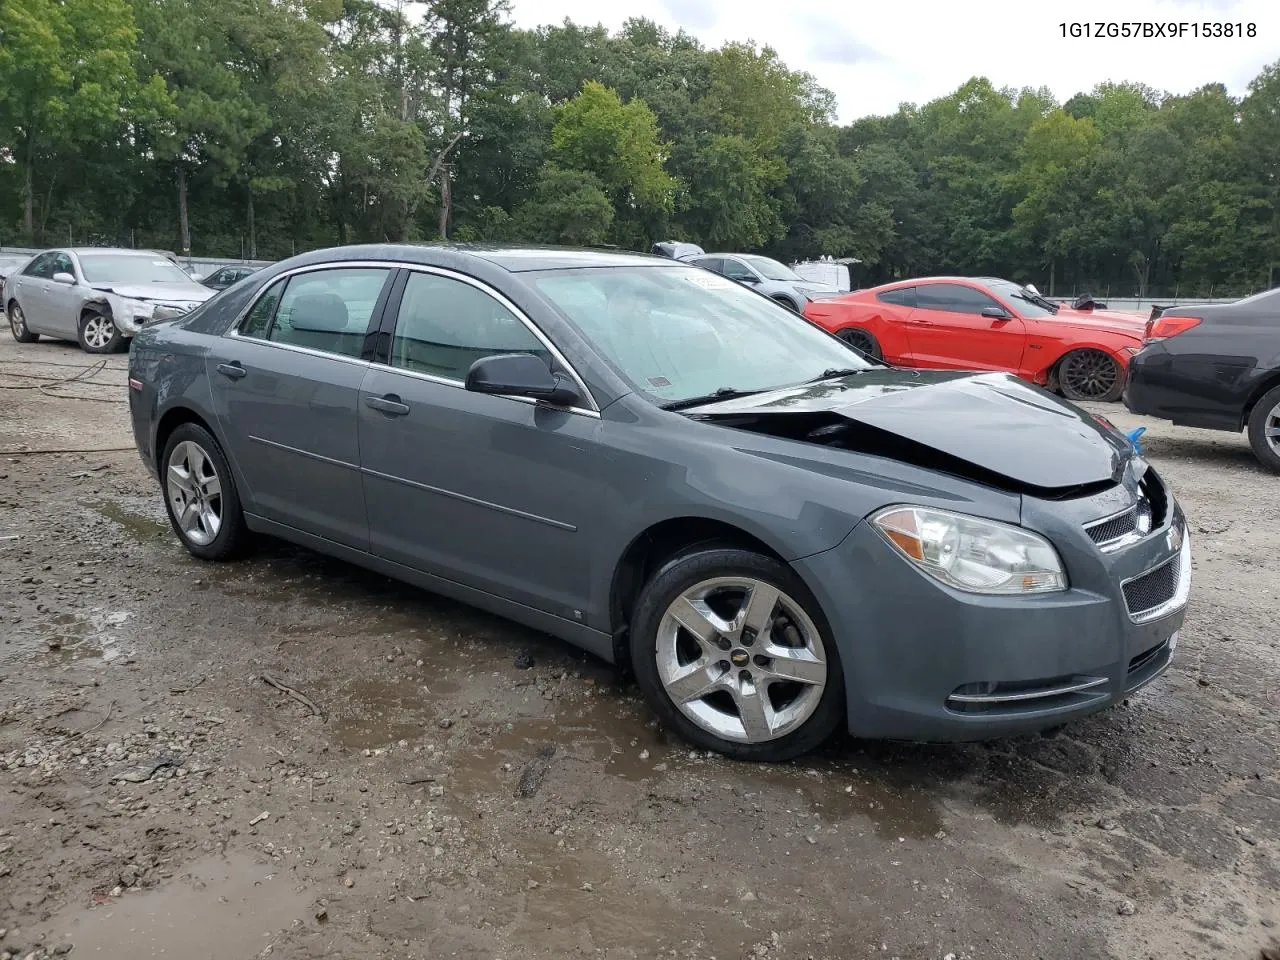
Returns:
(319,313)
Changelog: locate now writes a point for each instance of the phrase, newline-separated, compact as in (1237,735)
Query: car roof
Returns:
(512,259)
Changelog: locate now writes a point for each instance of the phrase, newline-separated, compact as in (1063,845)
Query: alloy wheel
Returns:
(741,659)
(1089,374)
(1271,429)
(859,339)
(98,331)
(17,322)
(195,492)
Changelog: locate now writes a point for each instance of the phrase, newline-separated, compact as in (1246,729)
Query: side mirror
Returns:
(1031,289)
(995,313)
(66,278)
(521,375)
(748,280)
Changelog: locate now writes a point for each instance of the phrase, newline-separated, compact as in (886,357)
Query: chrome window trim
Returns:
(233,331)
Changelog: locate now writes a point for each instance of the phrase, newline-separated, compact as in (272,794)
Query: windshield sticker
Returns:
(709,281)
(659,382)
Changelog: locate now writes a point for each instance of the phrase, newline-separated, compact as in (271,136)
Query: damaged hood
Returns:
(1127,323)
(993,422)
(192,293)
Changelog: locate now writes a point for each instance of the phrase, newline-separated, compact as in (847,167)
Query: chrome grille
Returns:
(1153,588)
(1110,529)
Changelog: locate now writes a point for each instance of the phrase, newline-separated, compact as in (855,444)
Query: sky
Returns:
(877,54)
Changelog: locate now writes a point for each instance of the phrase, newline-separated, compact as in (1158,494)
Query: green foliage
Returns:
(617,143)
(273,126)
(567,206)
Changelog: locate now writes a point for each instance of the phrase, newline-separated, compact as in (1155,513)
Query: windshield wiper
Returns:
(724,393)
(1038,301)
(833,372)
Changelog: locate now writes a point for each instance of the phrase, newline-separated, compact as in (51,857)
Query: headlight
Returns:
(126,310)
(168,313)
(978,556)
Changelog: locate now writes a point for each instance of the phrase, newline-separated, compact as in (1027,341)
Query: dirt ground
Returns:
(445,784)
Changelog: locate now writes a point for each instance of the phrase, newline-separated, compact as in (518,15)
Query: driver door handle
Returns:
(389,404)
(232,370)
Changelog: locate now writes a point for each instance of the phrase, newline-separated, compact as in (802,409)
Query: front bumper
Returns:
(927,663)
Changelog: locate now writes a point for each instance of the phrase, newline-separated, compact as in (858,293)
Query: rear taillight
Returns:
(1164,327)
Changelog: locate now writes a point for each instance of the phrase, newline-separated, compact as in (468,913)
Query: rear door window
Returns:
(325,310)
(903,296)
(41,266)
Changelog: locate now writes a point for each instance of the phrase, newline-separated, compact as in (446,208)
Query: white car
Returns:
(97,296)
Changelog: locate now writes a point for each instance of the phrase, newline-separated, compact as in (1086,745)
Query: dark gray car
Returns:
(660,466)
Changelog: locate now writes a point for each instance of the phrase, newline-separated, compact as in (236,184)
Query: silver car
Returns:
(765,275)
(97,296)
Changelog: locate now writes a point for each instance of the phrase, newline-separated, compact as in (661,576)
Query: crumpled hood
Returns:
(1127,323)
(995,421)
(159,292)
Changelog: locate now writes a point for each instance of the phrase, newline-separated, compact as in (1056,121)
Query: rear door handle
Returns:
(389,404)
(232,370)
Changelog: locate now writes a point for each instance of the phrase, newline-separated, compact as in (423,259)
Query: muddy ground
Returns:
(429,793)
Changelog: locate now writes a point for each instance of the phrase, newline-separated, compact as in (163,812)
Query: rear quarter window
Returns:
(903,296)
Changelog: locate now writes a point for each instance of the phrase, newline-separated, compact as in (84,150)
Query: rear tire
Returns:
(755,675)
(862,341)
(200,495)
(1090,375)
(1264,429)
(98,333)
(18,324)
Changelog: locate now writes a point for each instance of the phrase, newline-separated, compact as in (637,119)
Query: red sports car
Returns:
(982,323)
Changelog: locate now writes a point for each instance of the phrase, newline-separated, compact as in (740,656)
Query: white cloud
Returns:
(875,55)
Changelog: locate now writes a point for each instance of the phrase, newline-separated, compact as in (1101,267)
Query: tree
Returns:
(66,74)
(568,206)
(618,145)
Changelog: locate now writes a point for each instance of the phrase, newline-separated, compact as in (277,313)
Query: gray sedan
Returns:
(97,296)
(765,275)
(653,463)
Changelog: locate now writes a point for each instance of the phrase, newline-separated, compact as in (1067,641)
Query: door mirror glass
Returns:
(521,375)
(66,278)
(995,313)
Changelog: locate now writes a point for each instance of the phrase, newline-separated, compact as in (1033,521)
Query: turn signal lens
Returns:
(972,554)
(1164,327)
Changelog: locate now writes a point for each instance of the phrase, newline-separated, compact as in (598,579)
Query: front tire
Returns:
(732,651)
(787,302)
(18,324)
(1090,375)
(1264,429)
(98,333)
(200,495)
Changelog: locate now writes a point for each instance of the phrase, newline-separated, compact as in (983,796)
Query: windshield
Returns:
(130,268)
(1023,302)
(681,332)
(772,269)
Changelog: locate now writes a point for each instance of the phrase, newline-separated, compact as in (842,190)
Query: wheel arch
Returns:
(1048,372)
(654,546)
(1265,385)
(169,421)
(786,300)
